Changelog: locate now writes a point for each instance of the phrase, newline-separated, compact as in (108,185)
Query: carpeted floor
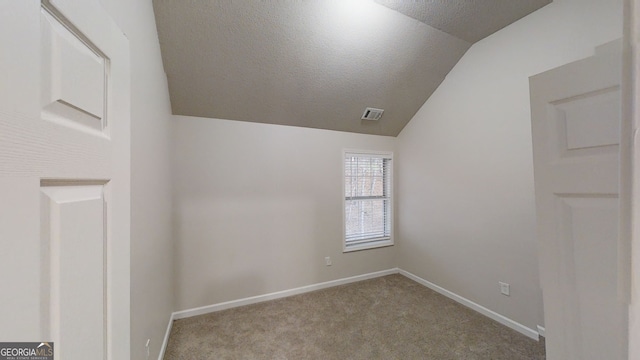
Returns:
(391,317)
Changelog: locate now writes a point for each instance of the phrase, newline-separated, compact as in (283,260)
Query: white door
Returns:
(576,142)
(64,178)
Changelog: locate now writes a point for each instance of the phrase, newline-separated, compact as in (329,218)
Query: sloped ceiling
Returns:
(467,20)
(319,63)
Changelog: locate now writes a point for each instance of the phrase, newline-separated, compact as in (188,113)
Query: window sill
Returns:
(366,246)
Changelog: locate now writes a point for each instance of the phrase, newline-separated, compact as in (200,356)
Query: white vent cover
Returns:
(372,114)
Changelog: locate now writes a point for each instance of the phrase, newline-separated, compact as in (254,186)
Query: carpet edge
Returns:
(182,314)
(510,323)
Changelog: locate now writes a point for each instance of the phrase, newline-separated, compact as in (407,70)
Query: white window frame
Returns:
(374,242)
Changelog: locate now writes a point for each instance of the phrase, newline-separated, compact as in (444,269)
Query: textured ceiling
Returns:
(318,63)
(467,20)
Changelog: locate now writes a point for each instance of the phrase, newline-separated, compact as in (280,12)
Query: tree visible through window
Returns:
(368,201)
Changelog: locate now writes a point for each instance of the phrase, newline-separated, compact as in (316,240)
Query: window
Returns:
(368,204)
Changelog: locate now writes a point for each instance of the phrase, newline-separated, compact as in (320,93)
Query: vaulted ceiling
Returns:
(319,63)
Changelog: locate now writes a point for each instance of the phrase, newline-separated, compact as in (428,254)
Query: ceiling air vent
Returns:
(372,114)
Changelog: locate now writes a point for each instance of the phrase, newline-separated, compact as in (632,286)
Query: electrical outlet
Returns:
(504,288)
(327,260)
(147,347)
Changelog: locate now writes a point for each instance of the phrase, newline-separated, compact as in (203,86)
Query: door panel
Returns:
(73,234)
(590,121)
(576,135)
(74,76)
(589,227)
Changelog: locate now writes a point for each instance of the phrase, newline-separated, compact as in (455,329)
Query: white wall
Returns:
(258,207)
(151,242)
(632,17)
(466,214)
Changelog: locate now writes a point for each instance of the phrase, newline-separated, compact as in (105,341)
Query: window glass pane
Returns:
(364,176)
(365,219)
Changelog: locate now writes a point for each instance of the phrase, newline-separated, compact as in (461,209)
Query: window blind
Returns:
(367,198)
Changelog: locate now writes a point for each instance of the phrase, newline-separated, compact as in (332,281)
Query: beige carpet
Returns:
(391,317)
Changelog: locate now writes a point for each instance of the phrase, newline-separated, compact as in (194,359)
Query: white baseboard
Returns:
(305,289)
(163,348)
(541,330)
(278,295)
(477,307)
